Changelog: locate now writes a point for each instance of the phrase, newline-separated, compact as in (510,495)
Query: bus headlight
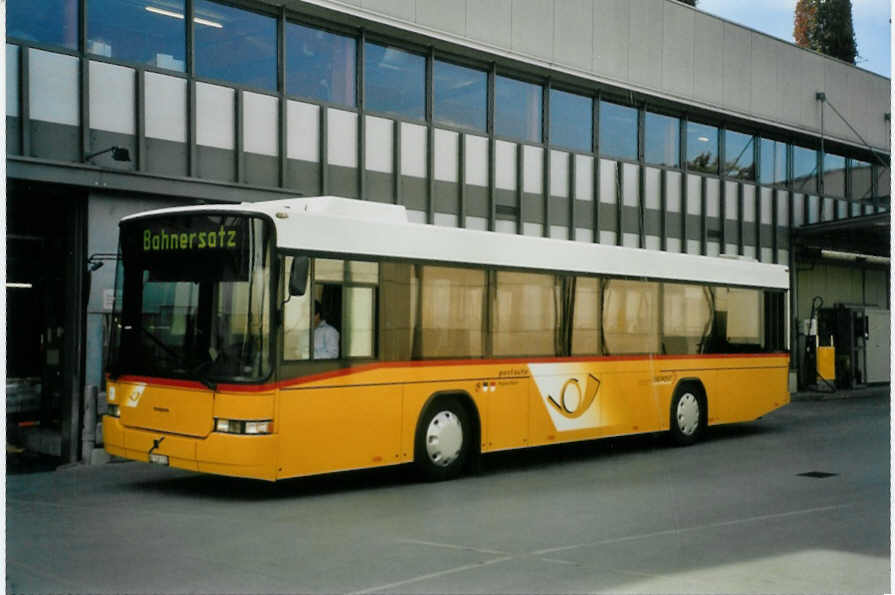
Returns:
(241,426)
(112,410)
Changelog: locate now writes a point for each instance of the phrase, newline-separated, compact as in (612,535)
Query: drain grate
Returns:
(817,474)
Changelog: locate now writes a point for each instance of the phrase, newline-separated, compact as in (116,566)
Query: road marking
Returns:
(454,547)
(557,561)
(144,511)
(39,572)
(689,529)
(416,579)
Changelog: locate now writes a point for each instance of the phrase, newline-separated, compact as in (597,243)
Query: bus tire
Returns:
(688,413)
(443,440)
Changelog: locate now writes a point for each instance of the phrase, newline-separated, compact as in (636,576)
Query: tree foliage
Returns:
(826,26)
(805,23)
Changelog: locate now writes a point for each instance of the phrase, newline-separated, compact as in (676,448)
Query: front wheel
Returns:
(688,415)
(443,437)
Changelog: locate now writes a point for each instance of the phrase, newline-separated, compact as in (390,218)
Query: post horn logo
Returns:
(572,402)
(134,398)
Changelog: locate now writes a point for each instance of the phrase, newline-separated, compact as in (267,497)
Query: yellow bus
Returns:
(301,336)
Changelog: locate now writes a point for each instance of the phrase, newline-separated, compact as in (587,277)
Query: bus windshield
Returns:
(195,299)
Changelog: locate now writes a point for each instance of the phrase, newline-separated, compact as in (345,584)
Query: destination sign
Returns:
(163,240)
(194,247)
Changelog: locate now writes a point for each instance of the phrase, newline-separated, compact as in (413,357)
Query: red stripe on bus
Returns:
(195,384)
(254,388)
(515,361)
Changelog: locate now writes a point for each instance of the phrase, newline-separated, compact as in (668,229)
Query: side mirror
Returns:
(298,276)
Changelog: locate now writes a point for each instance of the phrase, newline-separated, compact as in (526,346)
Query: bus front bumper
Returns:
(253,456)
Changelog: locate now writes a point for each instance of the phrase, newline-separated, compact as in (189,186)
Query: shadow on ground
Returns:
(238,489)
(19,462)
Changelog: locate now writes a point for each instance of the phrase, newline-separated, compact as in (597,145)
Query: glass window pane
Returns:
(397,311)
(773,162)
(702,148)
(618,131)
(451,319)
(235,45)
(739,154)
(834,175)
(320,65)
(362,271)
(571,120)
(861,184)
(586,323)
(804,169)
(357,321)
(328,269)
(525,314)
(518,109)
(739,320)
(54,22)
(461,96)
(687,320)
(149,32)
(662,140)
(328,311)
(395,81)
(631,317)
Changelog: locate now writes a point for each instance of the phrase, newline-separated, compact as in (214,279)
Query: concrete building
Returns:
(643,123)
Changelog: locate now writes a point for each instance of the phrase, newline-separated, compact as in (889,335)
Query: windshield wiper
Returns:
(181,360)
(196,372)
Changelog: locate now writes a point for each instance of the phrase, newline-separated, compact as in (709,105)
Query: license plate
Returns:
(158,459)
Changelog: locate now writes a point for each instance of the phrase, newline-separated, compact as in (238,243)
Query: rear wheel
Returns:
(688,414)
(443,436)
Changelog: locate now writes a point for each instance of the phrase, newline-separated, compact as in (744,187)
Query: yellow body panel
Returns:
(367,416)
(331,429)
(174,409)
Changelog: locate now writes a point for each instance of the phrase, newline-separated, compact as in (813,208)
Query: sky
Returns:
(775,17)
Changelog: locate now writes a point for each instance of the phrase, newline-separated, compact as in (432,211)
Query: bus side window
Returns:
(525,314)
(586,318)
(346,291)
(687,319)
(739,320)
(631,316)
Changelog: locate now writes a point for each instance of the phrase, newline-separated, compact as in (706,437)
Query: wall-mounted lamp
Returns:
(94,261)
(118,154)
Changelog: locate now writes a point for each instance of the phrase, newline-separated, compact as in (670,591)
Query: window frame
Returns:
(619,102)
(192,66)
(500,73)
(332,30)
(364,103)
(450,60)
(589,149)
(312,283)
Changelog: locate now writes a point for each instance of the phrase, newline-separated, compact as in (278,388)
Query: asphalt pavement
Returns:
(797,502)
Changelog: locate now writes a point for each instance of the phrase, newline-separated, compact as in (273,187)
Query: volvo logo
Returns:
(156,444)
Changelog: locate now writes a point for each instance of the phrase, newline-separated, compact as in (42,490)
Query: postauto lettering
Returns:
(202,240)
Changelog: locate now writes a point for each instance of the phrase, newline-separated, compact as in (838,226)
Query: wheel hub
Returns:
(444,438)
(687,414)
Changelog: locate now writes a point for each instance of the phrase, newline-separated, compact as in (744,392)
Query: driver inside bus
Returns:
(326,337)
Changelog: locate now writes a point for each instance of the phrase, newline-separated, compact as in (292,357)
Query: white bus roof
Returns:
(349,227)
